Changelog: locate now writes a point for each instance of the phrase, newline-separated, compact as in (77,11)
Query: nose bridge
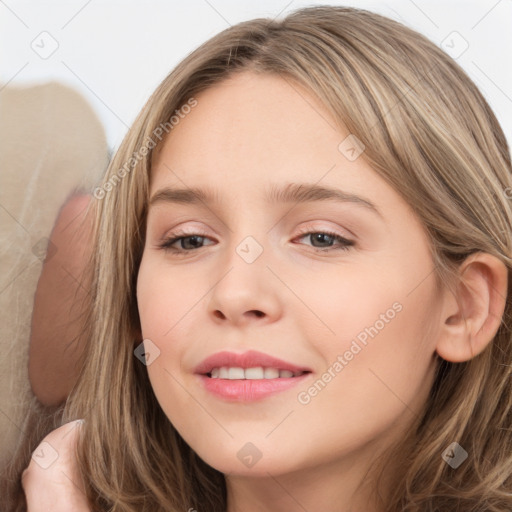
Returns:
(249,248)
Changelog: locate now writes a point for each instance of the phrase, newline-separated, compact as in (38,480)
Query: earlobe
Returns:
(472,315)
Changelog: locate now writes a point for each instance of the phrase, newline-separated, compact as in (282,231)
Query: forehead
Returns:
(253,134)
(250,123)
(251,112)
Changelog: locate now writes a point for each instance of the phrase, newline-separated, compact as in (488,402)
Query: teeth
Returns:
(271,373)
(254,373)
(237,373)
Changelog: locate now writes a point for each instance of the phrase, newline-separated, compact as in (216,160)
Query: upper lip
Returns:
(250,359)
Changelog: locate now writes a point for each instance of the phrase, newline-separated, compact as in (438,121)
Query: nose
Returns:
(245,293)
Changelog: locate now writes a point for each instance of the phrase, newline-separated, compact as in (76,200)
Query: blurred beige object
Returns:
(51,145)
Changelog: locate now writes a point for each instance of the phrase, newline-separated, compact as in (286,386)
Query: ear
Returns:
(472,315)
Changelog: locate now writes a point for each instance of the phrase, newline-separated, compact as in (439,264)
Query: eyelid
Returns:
(189,230)
(309,228)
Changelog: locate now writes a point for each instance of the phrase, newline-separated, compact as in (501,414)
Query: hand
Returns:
(52,481)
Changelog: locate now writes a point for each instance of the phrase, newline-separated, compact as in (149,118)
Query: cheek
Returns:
(164,301)
(348,304)
(378,340)
(167,307)
(379,363)
(383,305)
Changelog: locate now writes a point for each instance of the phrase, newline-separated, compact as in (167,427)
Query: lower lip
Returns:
(248,390)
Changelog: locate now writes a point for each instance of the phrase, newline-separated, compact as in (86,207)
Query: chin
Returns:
(248,461)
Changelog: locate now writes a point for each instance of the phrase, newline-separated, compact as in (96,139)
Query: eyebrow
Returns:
(290,193)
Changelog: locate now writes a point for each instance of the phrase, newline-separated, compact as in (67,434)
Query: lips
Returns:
(250,359)
(249,376)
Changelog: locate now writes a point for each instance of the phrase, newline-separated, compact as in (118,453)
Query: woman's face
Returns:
(353,304)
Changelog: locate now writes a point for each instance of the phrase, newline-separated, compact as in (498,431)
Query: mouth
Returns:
(248,390)
(249,365)
(255,373)
(248,377)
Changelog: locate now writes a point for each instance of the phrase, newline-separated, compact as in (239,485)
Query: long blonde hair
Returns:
(430,133)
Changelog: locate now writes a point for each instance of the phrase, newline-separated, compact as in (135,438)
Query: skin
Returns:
(61,292)
(293,302)
(52,481)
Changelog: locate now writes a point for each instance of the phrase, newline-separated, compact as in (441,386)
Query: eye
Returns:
(325,239)
(187,243)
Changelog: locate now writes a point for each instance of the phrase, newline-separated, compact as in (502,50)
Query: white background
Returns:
(115,52)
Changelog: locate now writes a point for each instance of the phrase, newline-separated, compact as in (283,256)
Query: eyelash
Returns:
(166,245)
